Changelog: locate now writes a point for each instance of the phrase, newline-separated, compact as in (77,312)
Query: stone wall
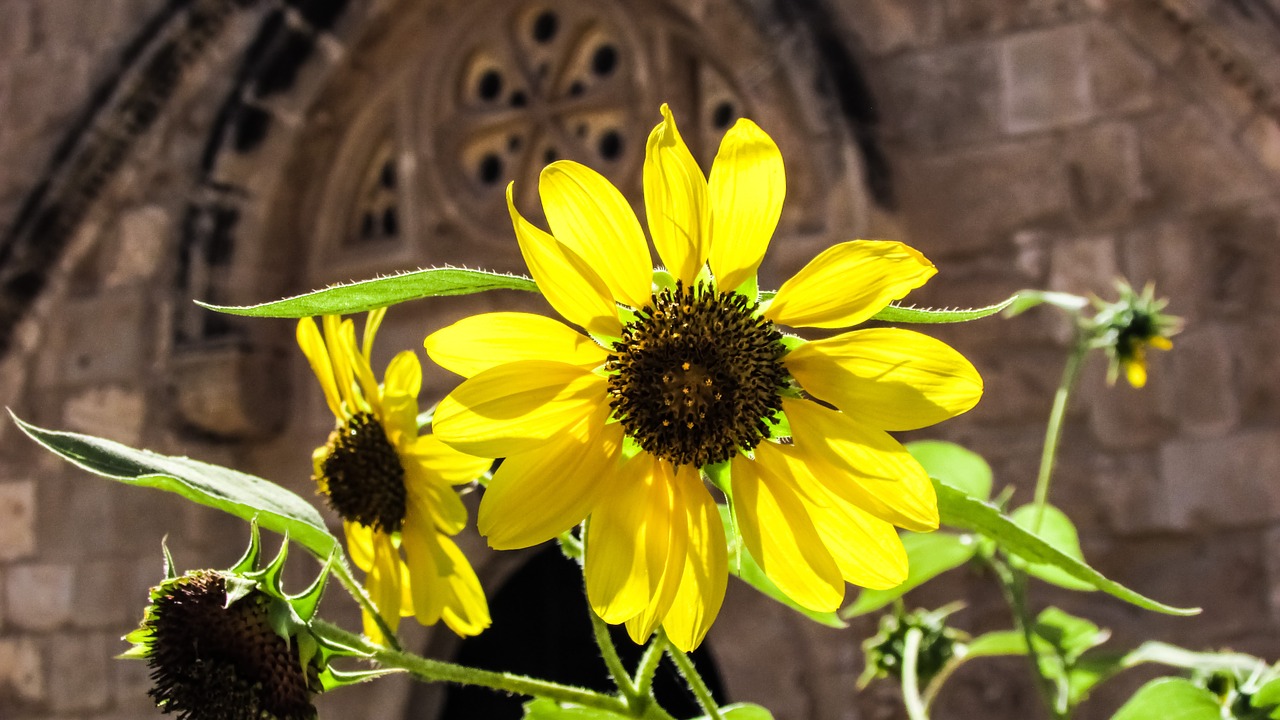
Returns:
(1039,143)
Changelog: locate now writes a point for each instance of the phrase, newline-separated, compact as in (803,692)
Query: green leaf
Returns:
(1002,642)
(900,314)
(242,495)
(743,711)
(742,565)
(547,709)
(954,465)
(381,292)
(1170,699)
(1204,662)
(1267,696)
(1069,635)
(1027,299)
(961,511)
(928,555)
(1057,530)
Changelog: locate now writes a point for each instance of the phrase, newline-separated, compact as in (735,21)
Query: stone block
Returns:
(1123,79)
(15,30)
(22,677)
(982,18)
(975,200)
(943,98)
(1045,80)
(79,666)
(38,596)
(1241,247)
(1263,135)
(111,412)
(17,519)
(1257,344)
(1120,416)
(1105,172)
(99,339)
(886,28)
(101,597)
(1084,266)
(1210,483)
(1207,168)
(1200,395)
(45,89)
(144,235)
(1169,255)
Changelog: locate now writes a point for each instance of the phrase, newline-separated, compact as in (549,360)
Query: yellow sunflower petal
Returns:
(383,584)
(568,283)
(477,343)
(589,216)
(517,407)
(675,200)
(340,357)
(887,378)
(423,556)
(1135,371)
(706,570)
(360,367)
(1160,342)
(848,283)
(443,462)
(466,611)
(864,466)
(536,495)
(779,533)
(359,544)
(748,185)
(631,536)
(313,347)
(399,402)
(434,500)
(866,548)
(373,321)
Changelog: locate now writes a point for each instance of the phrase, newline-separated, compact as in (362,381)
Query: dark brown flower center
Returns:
(213,662)
(361,475)
(697,375)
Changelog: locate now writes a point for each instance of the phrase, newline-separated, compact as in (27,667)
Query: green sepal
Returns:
(930,316)
(135,652)
(662,280)
(307,602)
(249,560)
(961,511)
(548,709)
(791,342)
(333,678)
(170,569)
(1027,299)
(271,575)
(238,587)
(718,475)
(381,292)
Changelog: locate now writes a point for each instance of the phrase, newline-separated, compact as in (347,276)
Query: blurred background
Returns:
(235,151)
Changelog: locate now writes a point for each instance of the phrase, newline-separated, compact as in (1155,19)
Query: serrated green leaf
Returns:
(1056,529)
(900,314)
(745,568)
(961,511)
(546,709)
(382,292)
(1170,699)
(237,493)
(957,466)
(928,555)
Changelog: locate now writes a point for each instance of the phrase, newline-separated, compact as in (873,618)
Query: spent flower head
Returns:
(885,650)
(231,645)
(1125,328)
(674,373)
(392,487)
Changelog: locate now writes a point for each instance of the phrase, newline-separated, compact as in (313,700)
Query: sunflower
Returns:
(392,487)
(685,373)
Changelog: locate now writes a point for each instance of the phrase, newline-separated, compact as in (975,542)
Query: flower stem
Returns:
(1053,432)
(343,572)
(440,671)
(910,682)
(1013,583)
(611,660)
(694,680)
(649,664)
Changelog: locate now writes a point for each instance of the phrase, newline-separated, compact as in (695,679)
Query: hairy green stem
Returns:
(911,683)
(1013,583)
(343,572)
(440,671)
(649,664)
(694,680)
(1053,432)
(611,660)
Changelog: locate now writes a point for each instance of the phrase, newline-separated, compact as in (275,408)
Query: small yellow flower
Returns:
(392,487)
(686,369)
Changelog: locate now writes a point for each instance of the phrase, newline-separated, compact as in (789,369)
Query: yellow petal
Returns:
(423,556)
(466,611)
(848,283)
(517,407)
(536,495)
(359,544)
(748,185)
(443,462)
(1135,371)
(1160,342)
(383,584)
(631,536)
(313,347)
(779,533)
(866,548)
(477,343)
(568,283)
(706,570)
(887,378)
(675,200)
(863,465)
(399,403)
(589,216)
(340,357)
(372,321)
(432,500)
